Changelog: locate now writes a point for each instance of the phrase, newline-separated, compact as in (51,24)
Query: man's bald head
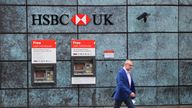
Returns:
(128,65)
(128,62)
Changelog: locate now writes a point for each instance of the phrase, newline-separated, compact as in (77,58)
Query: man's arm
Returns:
(121,85)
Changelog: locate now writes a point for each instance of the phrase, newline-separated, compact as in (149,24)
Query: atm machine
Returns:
(43,62)
(83,62)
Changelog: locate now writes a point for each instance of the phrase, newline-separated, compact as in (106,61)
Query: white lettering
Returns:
(38,43)
(74,42)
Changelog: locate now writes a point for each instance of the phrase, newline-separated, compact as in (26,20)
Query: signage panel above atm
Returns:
(82,47)
(83,61)
(43,51)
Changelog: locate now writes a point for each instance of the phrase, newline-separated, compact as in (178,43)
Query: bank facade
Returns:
(156,35)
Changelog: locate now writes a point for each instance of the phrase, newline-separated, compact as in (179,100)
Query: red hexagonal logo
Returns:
(81,19)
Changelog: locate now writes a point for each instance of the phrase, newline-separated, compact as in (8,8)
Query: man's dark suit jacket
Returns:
(122,91)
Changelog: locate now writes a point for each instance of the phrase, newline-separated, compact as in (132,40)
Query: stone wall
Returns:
(160,48)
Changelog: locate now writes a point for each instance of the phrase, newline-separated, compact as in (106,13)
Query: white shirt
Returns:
(128,76)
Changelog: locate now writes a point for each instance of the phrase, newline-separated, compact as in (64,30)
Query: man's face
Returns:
(129,66)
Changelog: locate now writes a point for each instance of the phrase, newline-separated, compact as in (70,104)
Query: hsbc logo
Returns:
(77,19)
(80,19)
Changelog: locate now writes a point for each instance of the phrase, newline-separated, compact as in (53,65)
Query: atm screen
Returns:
(79,67)
(83,68)
(43,74)
(40,74)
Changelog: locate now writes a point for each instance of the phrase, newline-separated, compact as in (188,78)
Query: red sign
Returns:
(82,47)
(43,51)
(82,43)
(109,51)
(109,54)
(80,19)
(43,43)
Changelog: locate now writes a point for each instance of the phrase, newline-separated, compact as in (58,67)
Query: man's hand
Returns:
(132,94)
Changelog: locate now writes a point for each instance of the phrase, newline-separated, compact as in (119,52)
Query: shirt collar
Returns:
(126,70)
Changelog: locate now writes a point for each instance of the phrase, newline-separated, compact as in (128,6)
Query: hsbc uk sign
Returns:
(77,19)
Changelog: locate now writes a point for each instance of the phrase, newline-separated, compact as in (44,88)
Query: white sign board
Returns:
(83,80)
(43,51)
(82,47)
(109,54)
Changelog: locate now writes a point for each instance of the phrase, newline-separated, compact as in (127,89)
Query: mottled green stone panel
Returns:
(12,19)
(161,19)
